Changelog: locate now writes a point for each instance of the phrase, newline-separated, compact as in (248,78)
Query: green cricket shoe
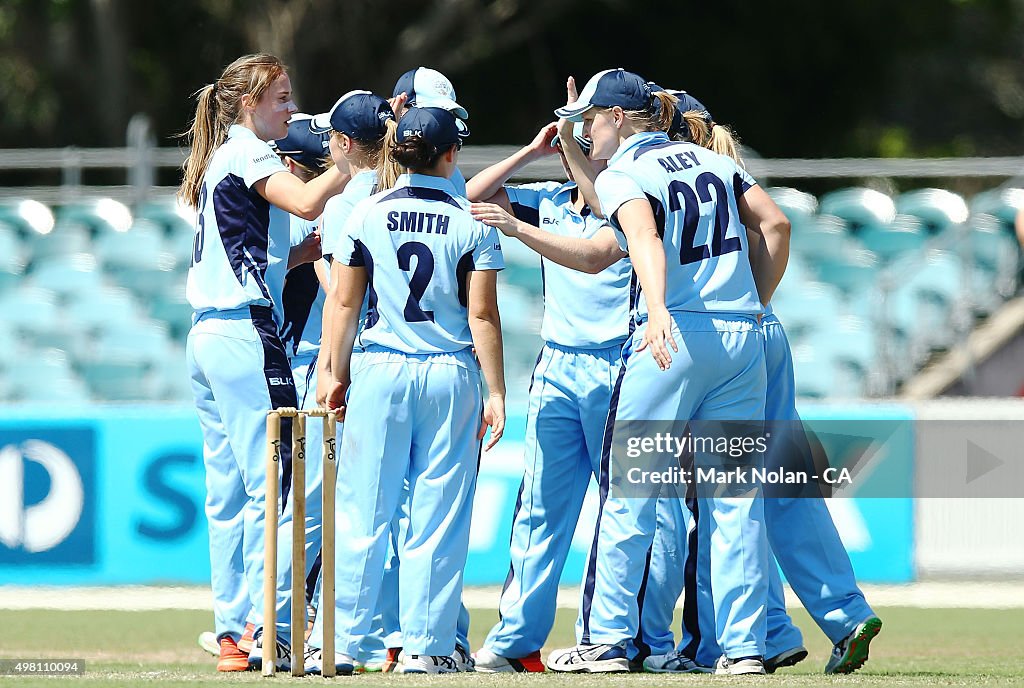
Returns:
(852,651)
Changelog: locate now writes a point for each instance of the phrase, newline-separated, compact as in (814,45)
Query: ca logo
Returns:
(42,526)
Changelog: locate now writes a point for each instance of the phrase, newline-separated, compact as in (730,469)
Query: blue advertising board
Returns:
(112,495)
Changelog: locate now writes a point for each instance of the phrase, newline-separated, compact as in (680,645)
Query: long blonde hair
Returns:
(373,154)
(218,106)
(658,115)
(709,134)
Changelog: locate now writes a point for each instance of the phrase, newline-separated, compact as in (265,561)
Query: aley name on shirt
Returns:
(679,162)
(411,221)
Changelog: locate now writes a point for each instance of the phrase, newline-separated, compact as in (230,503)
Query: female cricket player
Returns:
(242,193)
(680,210)
(412,404)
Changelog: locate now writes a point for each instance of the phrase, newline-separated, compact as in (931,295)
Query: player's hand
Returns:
(398,102)
(336,399)
(658,336)
(494,417)
(307,250)
(324,380)
(495,216)
(571,96)
(541,144)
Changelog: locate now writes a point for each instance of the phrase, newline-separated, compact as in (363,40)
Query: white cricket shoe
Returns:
(463,660)
(284,653)
(208,641)
(591,659)
(428,664)
(739,666)
(674,663)
(314,662)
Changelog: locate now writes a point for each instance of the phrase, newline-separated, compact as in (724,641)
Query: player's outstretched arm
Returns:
(768,257)
(485,326)
(348,286)
(487,185)
(305,199)
(586,255)
(575,159)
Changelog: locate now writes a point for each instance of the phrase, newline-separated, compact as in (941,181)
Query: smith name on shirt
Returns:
(409,221)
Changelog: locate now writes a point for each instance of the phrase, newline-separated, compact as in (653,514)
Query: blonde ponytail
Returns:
(218,106)
(723,141)
(388,170)
(657,116)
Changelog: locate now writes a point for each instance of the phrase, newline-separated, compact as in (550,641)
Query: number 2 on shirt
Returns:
(688,253)
(420,278)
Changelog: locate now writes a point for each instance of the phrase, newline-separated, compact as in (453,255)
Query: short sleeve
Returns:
(260,162)
(525,199)
(487,255)
(348,249)
(614,189)
(743,181)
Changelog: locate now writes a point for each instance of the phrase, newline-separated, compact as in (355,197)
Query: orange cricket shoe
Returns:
(232,658)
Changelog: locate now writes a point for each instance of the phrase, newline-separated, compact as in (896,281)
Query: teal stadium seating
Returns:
(93,294)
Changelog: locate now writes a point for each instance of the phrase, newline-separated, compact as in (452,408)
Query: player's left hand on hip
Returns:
(658,336)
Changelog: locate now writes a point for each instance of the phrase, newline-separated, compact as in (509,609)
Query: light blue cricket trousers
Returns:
(239,372)
(410,417)
(800,529)
(717,374)
(802,537)
(570,393)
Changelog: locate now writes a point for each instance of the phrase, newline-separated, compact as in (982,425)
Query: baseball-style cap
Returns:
(360,114)
(302,144)
(436,125)
(426,87)
(607,89)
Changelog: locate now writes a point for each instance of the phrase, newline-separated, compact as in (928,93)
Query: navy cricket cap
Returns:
(607,89)
(302,144)
(426,87)
(437,125)
(360,114)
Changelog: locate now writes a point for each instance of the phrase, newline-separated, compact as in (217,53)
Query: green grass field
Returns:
(917,647)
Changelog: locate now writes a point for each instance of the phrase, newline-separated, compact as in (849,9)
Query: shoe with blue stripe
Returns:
(590,659)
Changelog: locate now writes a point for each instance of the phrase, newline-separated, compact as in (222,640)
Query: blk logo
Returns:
(46,500)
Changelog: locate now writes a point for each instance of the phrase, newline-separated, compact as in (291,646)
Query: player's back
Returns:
(418,244)
(693,192)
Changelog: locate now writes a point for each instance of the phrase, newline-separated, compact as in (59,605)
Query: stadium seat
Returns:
(904,234)
(806,307)
(45,375)
(174,216)
(172,308)
(67,275)
(29,216)
(13,257)
(859,207)
(854,273)
(1003,203)
(67,237)
(799,207)
(823,237)
(814,373)
(95,310)
(137,259)
(30,311)
(994,252)
(102,214)
(938,209)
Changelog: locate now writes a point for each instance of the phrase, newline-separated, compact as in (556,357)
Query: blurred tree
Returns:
(794,77)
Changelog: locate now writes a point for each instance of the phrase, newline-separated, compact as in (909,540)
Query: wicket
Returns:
(298,497)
